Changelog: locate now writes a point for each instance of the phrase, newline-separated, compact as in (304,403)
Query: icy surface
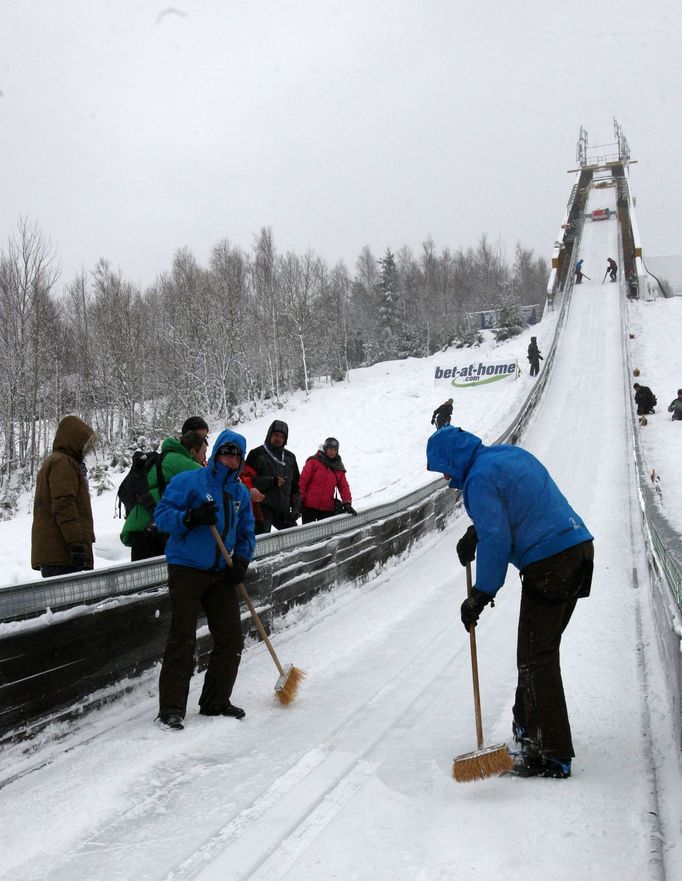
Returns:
(353,781)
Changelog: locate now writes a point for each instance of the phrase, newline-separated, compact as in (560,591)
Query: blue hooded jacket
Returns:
(235,523)
(519,513)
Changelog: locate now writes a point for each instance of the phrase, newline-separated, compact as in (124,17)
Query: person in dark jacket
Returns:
(675,406)
(62,534)
(534,356)
(612,268)
(323,476)
(520,517)
(187,453)
(277,478)
(443,414)
(645,399)
(198,576)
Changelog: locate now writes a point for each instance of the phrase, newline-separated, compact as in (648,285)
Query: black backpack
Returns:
(134,489)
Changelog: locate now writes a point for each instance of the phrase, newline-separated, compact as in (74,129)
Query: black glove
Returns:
(473,606)
(78,558)
(349,509)
(203,515)
(237,572)
(466,546)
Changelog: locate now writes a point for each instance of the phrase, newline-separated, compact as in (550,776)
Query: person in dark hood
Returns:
(676,406)
(277,477)
(62,534)
(645,399)
(521,517)
(612,268)
(442,414)
(323,476)
(198,576)
(534,356)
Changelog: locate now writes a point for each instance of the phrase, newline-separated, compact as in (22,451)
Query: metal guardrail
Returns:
(67,591)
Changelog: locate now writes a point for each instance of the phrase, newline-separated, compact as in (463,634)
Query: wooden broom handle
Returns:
(247,599)
(474,669)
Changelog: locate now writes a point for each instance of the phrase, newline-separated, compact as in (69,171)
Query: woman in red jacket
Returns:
(323,475)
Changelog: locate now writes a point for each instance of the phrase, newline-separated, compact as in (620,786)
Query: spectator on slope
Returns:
(612,268)
(676,406)
(534,356)
(277,477)
(645,399)
(198,576)
(579,271)
(323,475)
(521,517)
(186,453)
(443,414)
(62,534)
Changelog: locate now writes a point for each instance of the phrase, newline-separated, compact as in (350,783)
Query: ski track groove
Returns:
(349,777)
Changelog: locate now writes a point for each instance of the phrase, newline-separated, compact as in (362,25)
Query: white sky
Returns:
(130,129)
(353,781)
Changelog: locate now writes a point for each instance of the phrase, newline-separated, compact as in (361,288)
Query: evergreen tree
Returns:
(388,306)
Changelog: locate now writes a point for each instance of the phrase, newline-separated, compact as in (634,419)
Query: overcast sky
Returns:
(131,128)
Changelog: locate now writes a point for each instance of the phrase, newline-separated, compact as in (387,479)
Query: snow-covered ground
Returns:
(656,351)
(353,780)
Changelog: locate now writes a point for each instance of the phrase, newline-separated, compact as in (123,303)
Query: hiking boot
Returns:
(536,766)
(226,709)
(169,721)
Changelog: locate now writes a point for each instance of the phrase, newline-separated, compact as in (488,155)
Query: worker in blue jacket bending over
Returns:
(521,517)
(198,575)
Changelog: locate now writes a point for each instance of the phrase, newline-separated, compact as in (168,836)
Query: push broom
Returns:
(485,761)
(290,677)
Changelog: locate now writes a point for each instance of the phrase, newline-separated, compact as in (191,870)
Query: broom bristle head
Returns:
(487,762)
(288,683)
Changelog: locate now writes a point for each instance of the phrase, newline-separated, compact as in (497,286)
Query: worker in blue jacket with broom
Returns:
(521,517)
(198,576)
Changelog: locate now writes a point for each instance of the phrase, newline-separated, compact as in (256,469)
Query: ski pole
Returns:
(605,274)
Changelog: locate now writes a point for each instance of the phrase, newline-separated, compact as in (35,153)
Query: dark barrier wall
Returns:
(51,664)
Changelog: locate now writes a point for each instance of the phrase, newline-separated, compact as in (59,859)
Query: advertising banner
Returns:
(490,318)
(475,374)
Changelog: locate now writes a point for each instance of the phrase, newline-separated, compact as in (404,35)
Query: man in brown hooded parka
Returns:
(62,534)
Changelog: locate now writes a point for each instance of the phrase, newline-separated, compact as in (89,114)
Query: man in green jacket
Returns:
(179,454)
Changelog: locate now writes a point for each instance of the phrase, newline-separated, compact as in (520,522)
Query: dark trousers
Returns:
(311,515)
(274,518)
(549,594)
(50,571)
(534,367)
(192,589)
(144,545)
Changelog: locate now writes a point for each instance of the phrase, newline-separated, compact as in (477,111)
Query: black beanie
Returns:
(194,423)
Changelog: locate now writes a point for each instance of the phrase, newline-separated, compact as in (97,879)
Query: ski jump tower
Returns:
(600,165)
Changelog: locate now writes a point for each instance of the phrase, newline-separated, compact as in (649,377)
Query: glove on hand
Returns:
(237,572)
(466,546)
(203,515)
(473,606)
(78,558)
(349,509)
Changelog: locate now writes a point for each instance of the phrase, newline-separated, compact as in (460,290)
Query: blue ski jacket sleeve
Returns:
(197,547)
(519,512)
